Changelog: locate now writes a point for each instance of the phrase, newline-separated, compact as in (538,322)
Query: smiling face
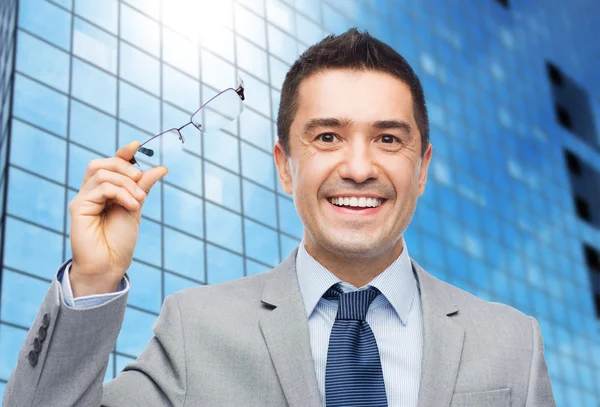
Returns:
(354,166)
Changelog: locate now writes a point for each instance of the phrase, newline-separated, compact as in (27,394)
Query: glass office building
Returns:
(512,207)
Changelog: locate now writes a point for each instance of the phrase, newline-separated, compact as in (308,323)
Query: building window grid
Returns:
(121,354)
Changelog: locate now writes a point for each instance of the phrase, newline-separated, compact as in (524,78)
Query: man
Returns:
(348,319)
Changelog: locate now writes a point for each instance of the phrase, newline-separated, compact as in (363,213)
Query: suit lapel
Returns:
(442,342)
(284,326)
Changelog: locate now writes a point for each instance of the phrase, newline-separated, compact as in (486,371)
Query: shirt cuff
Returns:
(87,301)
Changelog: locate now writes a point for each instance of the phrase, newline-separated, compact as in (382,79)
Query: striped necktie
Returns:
(353,376)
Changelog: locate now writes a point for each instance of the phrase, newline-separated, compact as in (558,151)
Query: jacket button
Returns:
(42,333)
(46,321)
(37,345)
(33,358)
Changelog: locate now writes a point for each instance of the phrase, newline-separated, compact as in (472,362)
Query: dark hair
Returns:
(351,50)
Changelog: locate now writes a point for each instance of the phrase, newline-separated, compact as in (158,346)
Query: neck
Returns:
(358,269)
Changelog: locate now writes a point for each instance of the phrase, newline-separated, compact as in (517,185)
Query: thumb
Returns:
(151,176)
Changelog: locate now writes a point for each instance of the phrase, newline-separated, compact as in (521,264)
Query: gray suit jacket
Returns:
(246,343)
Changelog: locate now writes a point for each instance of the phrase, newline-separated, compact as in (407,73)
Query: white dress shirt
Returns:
(395,318)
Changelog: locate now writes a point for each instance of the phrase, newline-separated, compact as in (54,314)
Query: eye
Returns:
(389,139)
(326,137)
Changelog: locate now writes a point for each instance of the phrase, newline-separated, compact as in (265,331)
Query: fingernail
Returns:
(140,191)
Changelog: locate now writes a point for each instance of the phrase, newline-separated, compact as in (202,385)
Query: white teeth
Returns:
(353,201)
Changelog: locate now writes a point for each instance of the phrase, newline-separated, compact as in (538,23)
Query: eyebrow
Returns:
(317,122)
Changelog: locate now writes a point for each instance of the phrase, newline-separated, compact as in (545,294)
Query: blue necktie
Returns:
(353,376)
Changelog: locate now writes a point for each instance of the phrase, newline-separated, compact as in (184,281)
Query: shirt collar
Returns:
(397,282)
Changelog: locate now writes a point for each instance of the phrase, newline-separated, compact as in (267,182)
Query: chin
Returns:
(352,244)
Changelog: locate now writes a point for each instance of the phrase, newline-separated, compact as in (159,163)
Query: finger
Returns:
(127,151)
(151,176)
(115,164)
(99,195)
(102,175)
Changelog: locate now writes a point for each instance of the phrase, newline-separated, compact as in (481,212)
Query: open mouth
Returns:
(357,203)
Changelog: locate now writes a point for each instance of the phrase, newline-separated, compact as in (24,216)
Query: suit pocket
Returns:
(491,398)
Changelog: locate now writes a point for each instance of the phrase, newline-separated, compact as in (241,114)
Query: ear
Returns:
(424,168)
(283,169)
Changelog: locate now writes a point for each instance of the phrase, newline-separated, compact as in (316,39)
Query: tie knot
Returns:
(352,305)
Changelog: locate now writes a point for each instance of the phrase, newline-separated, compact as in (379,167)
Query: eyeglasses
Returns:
(181,155)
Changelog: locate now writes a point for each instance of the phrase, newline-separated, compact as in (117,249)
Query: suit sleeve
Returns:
(65,354)
(539,392)
(158,377)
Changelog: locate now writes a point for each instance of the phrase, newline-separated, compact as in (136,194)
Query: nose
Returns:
(358,163)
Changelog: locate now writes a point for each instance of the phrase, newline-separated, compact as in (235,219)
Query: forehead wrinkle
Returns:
(316,122)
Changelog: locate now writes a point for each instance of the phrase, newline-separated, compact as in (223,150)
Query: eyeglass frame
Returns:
(239,91)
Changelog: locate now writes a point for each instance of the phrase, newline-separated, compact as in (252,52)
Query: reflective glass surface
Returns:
(497,218)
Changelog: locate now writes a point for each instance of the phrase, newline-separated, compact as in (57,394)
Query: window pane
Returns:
(289,221)
(259,203)
(282,45)
(287,245)
(250,25)
(223,149)
(93,129)
(139,108)
(35,15)
(217,72)
(222,187)
(308,32)
(257,95)
(104,13)
(11,341)
(21,297)
(95,45)
(94,86)
(175,283)
(22,239)
(257,165)
(180,89)
(180,52)
(148,248)
(184,255)
(223,265)
(256,129)
(261,243)
(253,267)
(140,30)
(139,68)
(281,15)
(40,105)
(150,7)
(174,117)
(79,158)
(219,40)
(44,62)
(36,199)
(135,332)
(223,227)
(145,289)
(278,71)
(251,58)
(183,211)
(38,151)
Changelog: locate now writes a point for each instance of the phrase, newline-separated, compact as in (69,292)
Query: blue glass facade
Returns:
(498,218)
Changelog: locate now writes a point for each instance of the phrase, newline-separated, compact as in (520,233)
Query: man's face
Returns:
(355,167)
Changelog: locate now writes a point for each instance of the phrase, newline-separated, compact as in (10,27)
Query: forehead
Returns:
(361,95)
